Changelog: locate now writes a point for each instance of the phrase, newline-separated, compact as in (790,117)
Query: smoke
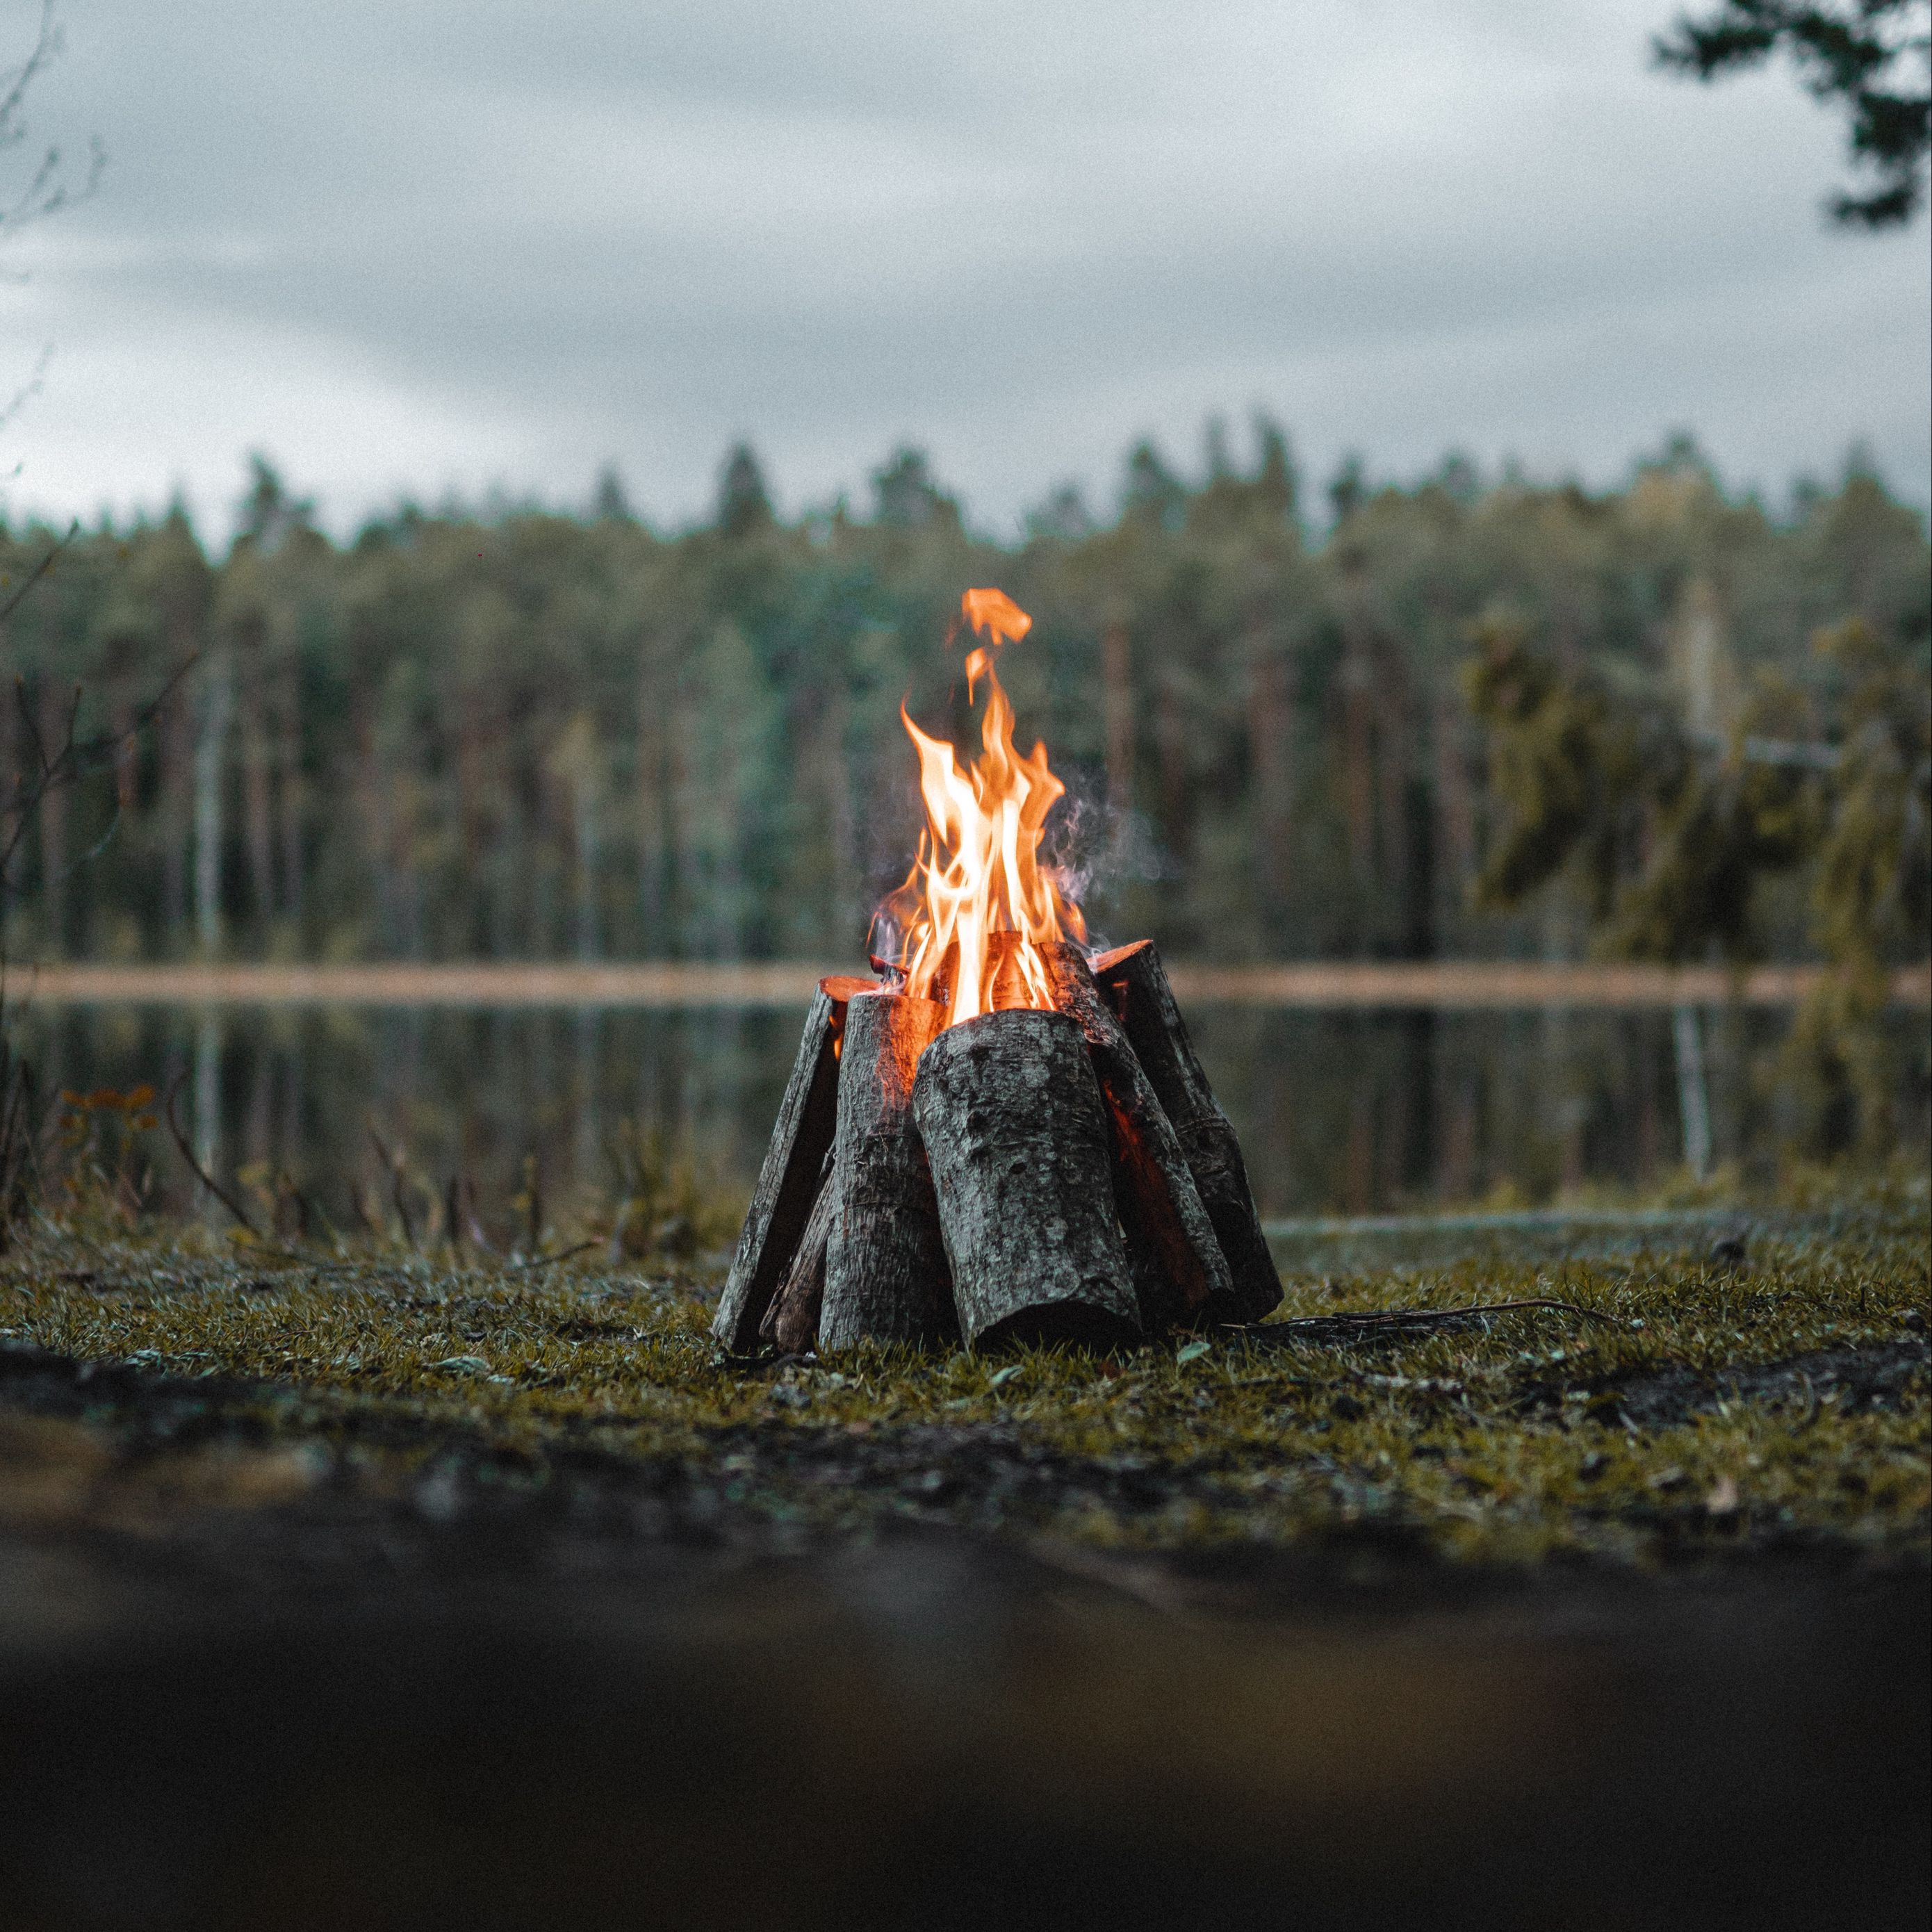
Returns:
(1094,848)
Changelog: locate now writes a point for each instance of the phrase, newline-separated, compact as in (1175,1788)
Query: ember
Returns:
(1004,1140)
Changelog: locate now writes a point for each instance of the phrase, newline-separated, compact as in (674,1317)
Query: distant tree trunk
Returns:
(257,802)
(683,883)
(1271,726)
(126,751)
(10,785)
(1456,1177)
(290,791)
(1393,735)
(848,916)
(217,700)
(1647,1153)
(584,810)
(1357,678)
(1117,699)
(652,792)
(544,837)
(258,1139)
(405,879)
(174,765)
(52,811)
(373,807)
(207,1097)
(1394,1119)
(476,815)
(1358,1173)
(1170,727)
(1455,811)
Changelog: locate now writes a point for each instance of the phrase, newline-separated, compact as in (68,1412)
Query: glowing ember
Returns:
(976,906)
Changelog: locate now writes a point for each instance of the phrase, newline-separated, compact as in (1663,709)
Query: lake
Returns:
(1340,1111)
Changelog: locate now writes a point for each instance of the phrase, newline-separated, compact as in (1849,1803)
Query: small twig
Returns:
(759,1365)
(1814,1405)
(39,571)
(394,1163)
(201,1174)
(73,760)
(1409,1321)
(452,1217)
(544,1261)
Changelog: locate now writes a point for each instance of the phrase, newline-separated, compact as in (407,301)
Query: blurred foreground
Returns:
(367,1589)
(376,1720)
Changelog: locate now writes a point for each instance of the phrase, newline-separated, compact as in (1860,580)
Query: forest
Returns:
(513,733)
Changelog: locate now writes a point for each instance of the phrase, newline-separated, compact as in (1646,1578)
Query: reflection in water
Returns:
(1339,1111)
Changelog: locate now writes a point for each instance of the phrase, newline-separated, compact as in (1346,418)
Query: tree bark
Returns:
(1011,1116)
(787,1182)
(1134,976)
(1181,1277)
(886,1273)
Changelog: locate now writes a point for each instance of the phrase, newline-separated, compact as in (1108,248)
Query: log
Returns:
(1134,977)
(788,1181)
(1012,1119)
(885,1274)
(1181,1275)
(791,1322)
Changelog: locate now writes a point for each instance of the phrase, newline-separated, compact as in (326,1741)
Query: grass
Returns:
(1715,1408)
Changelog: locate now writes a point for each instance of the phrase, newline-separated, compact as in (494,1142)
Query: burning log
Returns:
(781,1204)
(1181,1275)
(1011,1116)
(1008,1145)
(886,1276)
(1134,976)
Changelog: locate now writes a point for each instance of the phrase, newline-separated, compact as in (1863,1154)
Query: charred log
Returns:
(1134,976)
(788,1186)
(1014,1128)
(886,1273)
(1181,1275)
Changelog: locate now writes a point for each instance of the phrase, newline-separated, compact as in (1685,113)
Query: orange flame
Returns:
(976,906)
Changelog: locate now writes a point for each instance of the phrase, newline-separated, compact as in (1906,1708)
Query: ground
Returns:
(1611,1612)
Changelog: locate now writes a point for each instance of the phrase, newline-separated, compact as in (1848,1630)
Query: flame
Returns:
(976,906)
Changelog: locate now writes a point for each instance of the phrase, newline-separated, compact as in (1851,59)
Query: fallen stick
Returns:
(1405,1321)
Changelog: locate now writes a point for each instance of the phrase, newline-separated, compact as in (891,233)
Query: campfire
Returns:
(1001,1138)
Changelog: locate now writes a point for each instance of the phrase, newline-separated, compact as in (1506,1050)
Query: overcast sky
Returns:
(449,245)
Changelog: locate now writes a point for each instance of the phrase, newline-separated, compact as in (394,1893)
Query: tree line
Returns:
(527,734)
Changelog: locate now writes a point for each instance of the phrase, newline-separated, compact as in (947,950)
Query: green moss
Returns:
(1784,1399)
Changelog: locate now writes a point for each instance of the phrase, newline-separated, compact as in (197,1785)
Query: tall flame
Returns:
(976,906)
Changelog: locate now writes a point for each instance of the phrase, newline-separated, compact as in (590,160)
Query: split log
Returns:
(1181,1275)
(886,1273)
(1135,978)
(791,1322)
(788,1181)
(1012,1119)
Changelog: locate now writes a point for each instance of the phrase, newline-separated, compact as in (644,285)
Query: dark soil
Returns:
(1856,1379)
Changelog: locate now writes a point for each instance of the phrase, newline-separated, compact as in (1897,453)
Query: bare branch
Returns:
(201,1174)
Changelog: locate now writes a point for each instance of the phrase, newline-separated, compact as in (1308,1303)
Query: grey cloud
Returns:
(1019,234)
